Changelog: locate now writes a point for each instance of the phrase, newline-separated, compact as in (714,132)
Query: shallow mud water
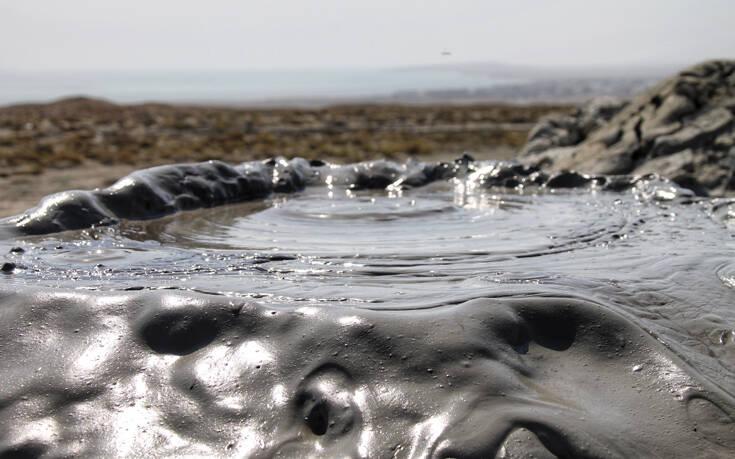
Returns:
(454,319)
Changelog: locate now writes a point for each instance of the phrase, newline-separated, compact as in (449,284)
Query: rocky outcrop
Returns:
(683,128)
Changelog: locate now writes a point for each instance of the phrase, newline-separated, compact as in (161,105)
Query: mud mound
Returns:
(163,190)
(190,375)
(420,310)
(684,129)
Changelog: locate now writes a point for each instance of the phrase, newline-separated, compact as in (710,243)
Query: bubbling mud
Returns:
(375,310)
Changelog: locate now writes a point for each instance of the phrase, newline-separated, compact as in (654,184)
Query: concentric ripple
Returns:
(407,322)
(420,224)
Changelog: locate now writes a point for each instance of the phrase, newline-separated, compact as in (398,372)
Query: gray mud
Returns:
(375,310)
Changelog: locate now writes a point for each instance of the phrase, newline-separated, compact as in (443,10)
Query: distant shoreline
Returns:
(567,91)
(468,84)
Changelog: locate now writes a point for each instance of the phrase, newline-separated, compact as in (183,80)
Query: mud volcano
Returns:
(301,309)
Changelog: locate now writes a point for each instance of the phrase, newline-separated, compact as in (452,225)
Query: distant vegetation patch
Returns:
(72,131)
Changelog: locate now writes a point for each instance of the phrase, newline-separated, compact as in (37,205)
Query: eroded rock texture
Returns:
(684,128)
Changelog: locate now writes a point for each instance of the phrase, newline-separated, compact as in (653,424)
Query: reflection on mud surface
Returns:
(450,320)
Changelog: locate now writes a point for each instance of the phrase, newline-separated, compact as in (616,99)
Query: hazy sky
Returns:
(243,34)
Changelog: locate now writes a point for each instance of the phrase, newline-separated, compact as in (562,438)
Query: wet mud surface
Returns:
(470,309)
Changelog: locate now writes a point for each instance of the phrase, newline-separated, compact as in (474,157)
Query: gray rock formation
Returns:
(683,128)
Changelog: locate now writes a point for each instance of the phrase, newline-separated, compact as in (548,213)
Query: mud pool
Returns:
(376,310)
